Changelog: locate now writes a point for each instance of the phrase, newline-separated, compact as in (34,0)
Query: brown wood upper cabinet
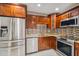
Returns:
(58,19)
(12,10)
(5,10)
(19,11)
(70,13)
(64,16)
(43,20)
(74,12)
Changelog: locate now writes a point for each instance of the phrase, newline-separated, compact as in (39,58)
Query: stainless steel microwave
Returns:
(74,21)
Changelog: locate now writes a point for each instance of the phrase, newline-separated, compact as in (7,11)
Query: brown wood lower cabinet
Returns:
(46,43)
(43,43)
(76,49)
(52,42)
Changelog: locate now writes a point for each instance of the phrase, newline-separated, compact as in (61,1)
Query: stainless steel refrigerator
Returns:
(12,36)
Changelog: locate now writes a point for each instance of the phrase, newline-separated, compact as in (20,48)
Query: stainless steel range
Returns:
(65,48)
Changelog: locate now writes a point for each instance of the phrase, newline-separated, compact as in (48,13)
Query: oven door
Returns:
(72,21)
(64,48)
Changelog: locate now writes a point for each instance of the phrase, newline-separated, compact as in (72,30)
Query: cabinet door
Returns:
(19,11)
(65,16)
(43,20)
(52,42)
(58,21)
(46,43)
(5,10)
(40,20)
(12,10)
(76,49)
(1,8)
(43,43)
(74,12)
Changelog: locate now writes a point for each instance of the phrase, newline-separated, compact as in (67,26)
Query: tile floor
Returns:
(50,52)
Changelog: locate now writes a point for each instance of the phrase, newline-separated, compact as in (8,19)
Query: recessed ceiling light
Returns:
(56,9)
(38,5)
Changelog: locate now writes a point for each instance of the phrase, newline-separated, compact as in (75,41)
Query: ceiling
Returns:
(48,8)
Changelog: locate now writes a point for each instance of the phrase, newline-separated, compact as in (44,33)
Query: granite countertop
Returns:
(46,35)
(42,35)
(76,41)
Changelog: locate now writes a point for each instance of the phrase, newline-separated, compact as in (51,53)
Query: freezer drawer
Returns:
(4,51)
